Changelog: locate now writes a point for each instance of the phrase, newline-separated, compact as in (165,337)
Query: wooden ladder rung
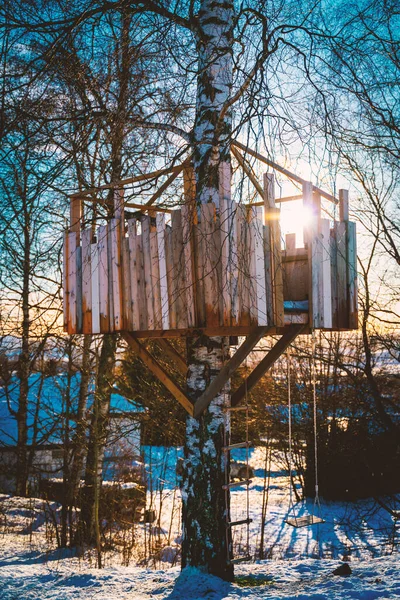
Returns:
(241,522)
(234,561)
(238,445)
(236,483)
(239,408)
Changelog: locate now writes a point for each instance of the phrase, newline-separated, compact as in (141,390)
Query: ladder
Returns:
(228,447)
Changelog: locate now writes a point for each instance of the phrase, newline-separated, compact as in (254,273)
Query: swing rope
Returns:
(317,504)
(290,456)
(310,519)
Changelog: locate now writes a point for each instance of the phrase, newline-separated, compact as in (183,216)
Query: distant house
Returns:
(47,420)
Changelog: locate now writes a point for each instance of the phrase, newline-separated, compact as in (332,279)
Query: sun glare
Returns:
(294,216)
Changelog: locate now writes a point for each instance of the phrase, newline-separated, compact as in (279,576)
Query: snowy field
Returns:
(300,562)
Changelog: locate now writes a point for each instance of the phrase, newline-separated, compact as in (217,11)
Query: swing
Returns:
(293,519)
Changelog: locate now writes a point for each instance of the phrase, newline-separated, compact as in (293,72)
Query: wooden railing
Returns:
(214,271)
(218,270)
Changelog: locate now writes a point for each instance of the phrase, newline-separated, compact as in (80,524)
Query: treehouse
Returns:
(224,270)
(152,271)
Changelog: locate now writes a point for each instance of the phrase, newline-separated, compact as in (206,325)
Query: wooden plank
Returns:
(199,265)
(65,281)
(341,275)
(248,171)
(162,265)
(95,281)
(228,370)
(334,289)
(326,286)
(147,271)
(343,205)
(145,208)
(309,233)
(243,267)
(188,262)
(170,277)
(165,185)
(179,292)
(86,281)
(79,315)
(288,174)
(72,283)
(76,217)
(260,278)
(159,372)
(126,286)
(352,275)
(269,204)
(155,274)
(250,253)
(212,263)
(290,241)
(142,301)
(189,220)
(226,240)
(233,265)
(277,269)
(280,200)
(103,279)
(266,363)
(110,277)
(128,180)
(137,299)
(178,360)
(119,209)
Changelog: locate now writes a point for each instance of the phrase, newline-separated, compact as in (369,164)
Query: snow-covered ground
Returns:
(300,561)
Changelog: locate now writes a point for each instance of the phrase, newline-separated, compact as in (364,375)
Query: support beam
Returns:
(266,363)
(248,171)
(285,172)
(165,185)
(129,180)
(227,370)
(173,354)
(159,372)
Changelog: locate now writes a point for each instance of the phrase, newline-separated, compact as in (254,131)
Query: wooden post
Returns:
(95,282)
(76,217)
(350,273)
(273,254)
(65,281)
(103,279)
(160,224)
(343,205)
(86,281)
(227,235)
(189,218)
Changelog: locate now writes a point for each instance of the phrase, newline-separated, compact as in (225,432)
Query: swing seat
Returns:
(304,521)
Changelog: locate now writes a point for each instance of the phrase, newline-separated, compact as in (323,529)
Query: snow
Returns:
(300,561)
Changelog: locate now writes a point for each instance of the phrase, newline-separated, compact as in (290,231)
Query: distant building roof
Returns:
(47,401)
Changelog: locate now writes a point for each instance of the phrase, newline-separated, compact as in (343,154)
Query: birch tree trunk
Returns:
(206,539)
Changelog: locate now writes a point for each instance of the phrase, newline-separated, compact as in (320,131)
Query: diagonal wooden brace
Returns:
(173,354)
(266,363)
(159,372)
(227,370)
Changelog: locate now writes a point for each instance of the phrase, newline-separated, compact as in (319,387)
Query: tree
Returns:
(236,65)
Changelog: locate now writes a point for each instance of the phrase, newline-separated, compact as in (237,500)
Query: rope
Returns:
(314,391)
(290,457)
(227,441)
(247,468)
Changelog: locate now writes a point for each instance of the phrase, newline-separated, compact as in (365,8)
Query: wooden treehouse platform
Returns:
(161,272)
